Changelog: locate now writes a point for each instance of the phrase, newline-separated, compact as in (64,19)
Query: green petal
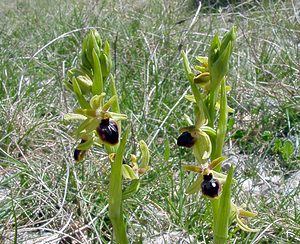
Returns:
(131,189)
(145,154)
(243,226)
(202,147)
(87,126)
(86,145)
(73,116)
(128,172)
(191,98)
(97,87)
(195,186)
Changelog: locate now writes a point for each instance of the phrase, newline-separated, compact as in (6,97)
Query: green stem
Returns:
(212,106)
(115,195)
(222,221)
(218,144)
(222,124)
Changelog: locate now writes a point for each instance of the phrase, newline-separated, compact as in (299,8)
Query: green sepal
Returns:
(73,116)
(87,126)
(200,68)
(145,154)
(187,67)
(195,186)
(84,60)
(86,145)
(109,103)
(203,61)
(97,101)
(84,83)
(128,172)
(105,67)
(202,148)
(117,117)
(97,38)
(97,87)
(68,84)
(76,87)
(80,98)
(213,53)
(220,67)
(131,189)
(229,38)
(208,130)
(216,162)
(190,98)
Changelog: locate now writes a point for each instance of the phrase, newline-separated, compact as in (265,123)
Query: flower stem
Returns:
(222,221)
(115,195)
(222,125)
(218,144)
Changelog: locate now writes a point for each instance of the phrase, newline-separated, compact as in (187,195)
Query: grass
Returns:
(43,194)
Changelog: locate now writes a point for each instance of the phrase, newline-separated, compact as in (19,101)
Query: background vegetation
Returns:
(46,197)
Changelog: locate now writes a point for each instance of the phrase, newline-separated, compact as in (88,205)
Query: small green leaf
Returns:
(167,150)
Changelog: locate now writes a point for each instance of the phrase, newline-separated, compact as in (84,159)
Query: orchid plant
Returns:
(206,135)
(101,126)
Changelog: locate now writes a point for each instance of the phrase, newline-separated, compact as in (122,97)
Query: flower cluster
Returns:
(100,118)
(206,135)
(101,121)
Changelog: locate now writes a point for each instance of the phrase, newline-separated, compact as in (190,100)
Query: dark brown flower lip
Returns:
(186,140)
(108,131)
(210,187)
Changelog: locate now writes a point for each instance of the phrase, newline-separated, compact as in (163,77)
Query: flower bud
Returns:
(79,154)
(203,79)
(92,41)
(219,55)
(108,131)
(210,187)
(186,140)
